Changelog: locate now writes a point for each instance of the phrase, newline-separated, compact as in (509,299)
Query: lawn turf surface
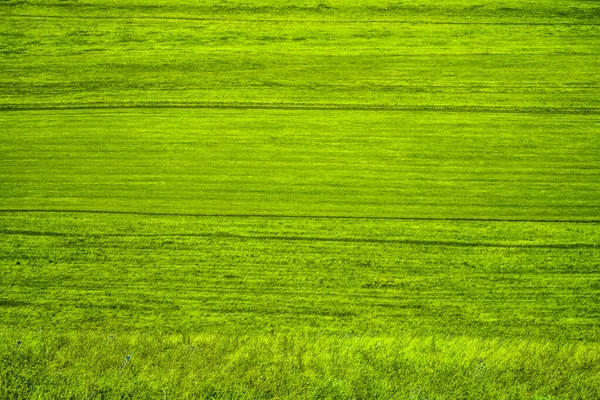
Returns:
(328,200)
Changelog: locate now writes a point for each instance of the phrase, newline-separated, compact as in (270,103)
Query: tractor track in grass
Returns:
(307,107)
(287,238)
(299,21)
(287,216)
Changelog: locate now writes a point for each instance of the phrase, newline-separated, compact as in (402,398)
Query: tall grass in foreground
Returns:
(40,365)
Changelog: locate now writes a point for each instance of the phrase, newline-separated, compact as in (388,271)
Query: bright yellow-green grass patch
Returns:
(288,200)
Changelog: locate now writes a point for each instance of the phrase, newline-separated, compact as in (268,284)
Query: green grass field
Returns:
(300,200)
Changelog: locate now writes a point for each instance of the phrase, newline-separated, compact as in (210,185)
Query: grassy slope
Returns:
(457,141)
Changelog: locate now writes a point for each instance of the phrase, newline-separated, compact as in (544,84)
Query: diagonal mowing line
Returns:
(223,235)
(288,216)
(304,106)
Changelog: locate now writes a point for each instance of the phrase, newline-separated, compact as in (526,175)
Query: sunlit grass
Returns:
(267,199)
(294,366)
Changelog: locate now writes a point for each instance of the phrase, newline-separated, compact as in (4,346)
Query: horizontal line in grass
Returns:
(288,216)
(220,235)
(302,106)
(300,21)
(487,88)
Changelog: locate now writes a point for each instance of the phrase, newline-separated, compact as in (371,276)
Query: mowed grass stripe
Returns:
(282,216)
(312,239)
(519,67)
(242,162)
(308,106)
(178,281)
(507,11)
(298,21)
